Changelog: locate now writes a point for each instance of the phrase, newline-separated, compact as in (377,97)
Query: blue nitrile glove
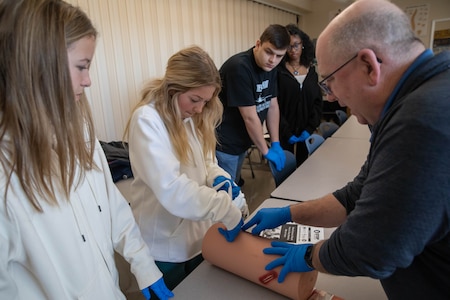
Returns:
(268,218)
(277,147)
(276,155)
(303,136)
(230,235)
(159,288)
(292,258)
(292,140)
(226,184)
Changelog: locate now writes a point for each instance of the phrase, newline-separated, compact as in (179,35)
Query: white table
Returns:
(352,129)
(210,282)
(336,162)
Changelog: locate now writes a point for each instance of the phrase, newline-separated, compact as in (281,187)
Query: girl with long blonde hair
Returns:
(178,188)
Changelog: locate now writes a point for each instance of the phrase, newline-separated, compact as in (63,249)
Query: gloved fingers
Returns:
(255,220)
(161,290)
(292,140)
(284,271)
(219,179)
(275,263)
(163,294)
(235,190)
(279,164)
(258,228)
(278,244)
(146,293)
(303,136)
(221,186)
(224,233)
(225,187)
(224,182)
(275,250)
(230,235)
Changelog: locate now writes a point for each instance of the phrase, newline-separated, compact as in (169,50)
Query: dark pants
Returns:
(174,273)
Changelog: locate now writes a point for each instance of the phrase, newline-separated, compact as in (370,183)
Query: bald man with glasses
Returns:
(393,219)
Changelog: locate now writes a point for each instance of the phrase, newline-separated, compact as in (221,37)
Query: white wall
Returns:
(138,36)
(314,22)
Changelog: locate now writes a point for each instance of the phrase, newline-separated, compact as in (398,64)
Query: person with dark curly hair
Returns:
(299,96)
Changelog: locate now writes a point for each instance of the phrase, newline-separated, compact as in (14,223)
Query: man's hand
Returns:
(267,218)
(292,258)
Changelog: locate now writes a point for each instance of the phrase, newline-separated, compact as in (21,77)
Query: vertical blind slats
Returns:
(137,37)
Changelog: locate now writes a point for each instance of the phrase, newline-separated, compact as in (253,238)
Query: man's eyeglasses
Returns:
(323,83)
(294,46)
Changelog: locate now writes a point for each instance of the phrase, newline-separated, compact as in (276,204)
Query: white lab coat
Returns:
(174,203)
(67,252)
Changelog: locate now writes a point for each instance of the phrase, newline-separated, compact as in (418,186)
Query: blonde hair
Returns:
(42,128)
(189,68)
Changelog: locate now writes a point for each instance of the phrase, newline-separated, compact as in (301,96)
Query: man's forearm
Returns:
(323,212)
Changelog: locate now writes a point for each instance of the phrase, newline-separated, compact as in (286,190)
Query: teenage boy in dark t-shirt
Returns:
(249,97)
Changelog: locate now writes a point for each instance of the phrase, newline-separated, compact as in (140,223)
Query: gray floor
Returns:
(256,189)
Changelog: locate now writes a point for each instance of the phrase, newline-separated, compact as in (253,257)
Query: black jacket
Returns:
(300,108)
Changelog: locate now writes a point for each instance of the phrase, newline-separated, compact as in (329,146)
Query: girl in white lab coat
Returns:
(179,190)
(61,216)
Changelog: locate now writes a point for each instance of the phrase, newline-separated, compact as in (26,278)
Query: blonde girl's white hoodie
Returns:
(173,203)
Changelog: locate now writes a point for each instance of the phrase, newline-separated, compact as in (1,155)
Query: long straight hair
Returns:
(45,134)
(189,68)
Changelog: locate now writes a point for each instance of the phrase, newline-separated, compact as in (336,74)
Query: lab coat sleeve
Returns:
(153,160)
(126,235)
(8,288)
(213,170)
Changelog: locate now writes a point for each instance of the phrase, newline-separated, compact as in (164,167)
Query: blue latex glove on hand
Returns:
(292,140)
(277,147)
(227,184)
(276,155)
(230,235)
(159,288)
(301,138)
(292,258)
(268,218)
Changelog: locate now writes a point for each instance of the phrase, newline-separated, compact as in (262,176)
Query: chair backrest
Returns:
(327,129)
(289,167)
(313,142)
(342,116)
